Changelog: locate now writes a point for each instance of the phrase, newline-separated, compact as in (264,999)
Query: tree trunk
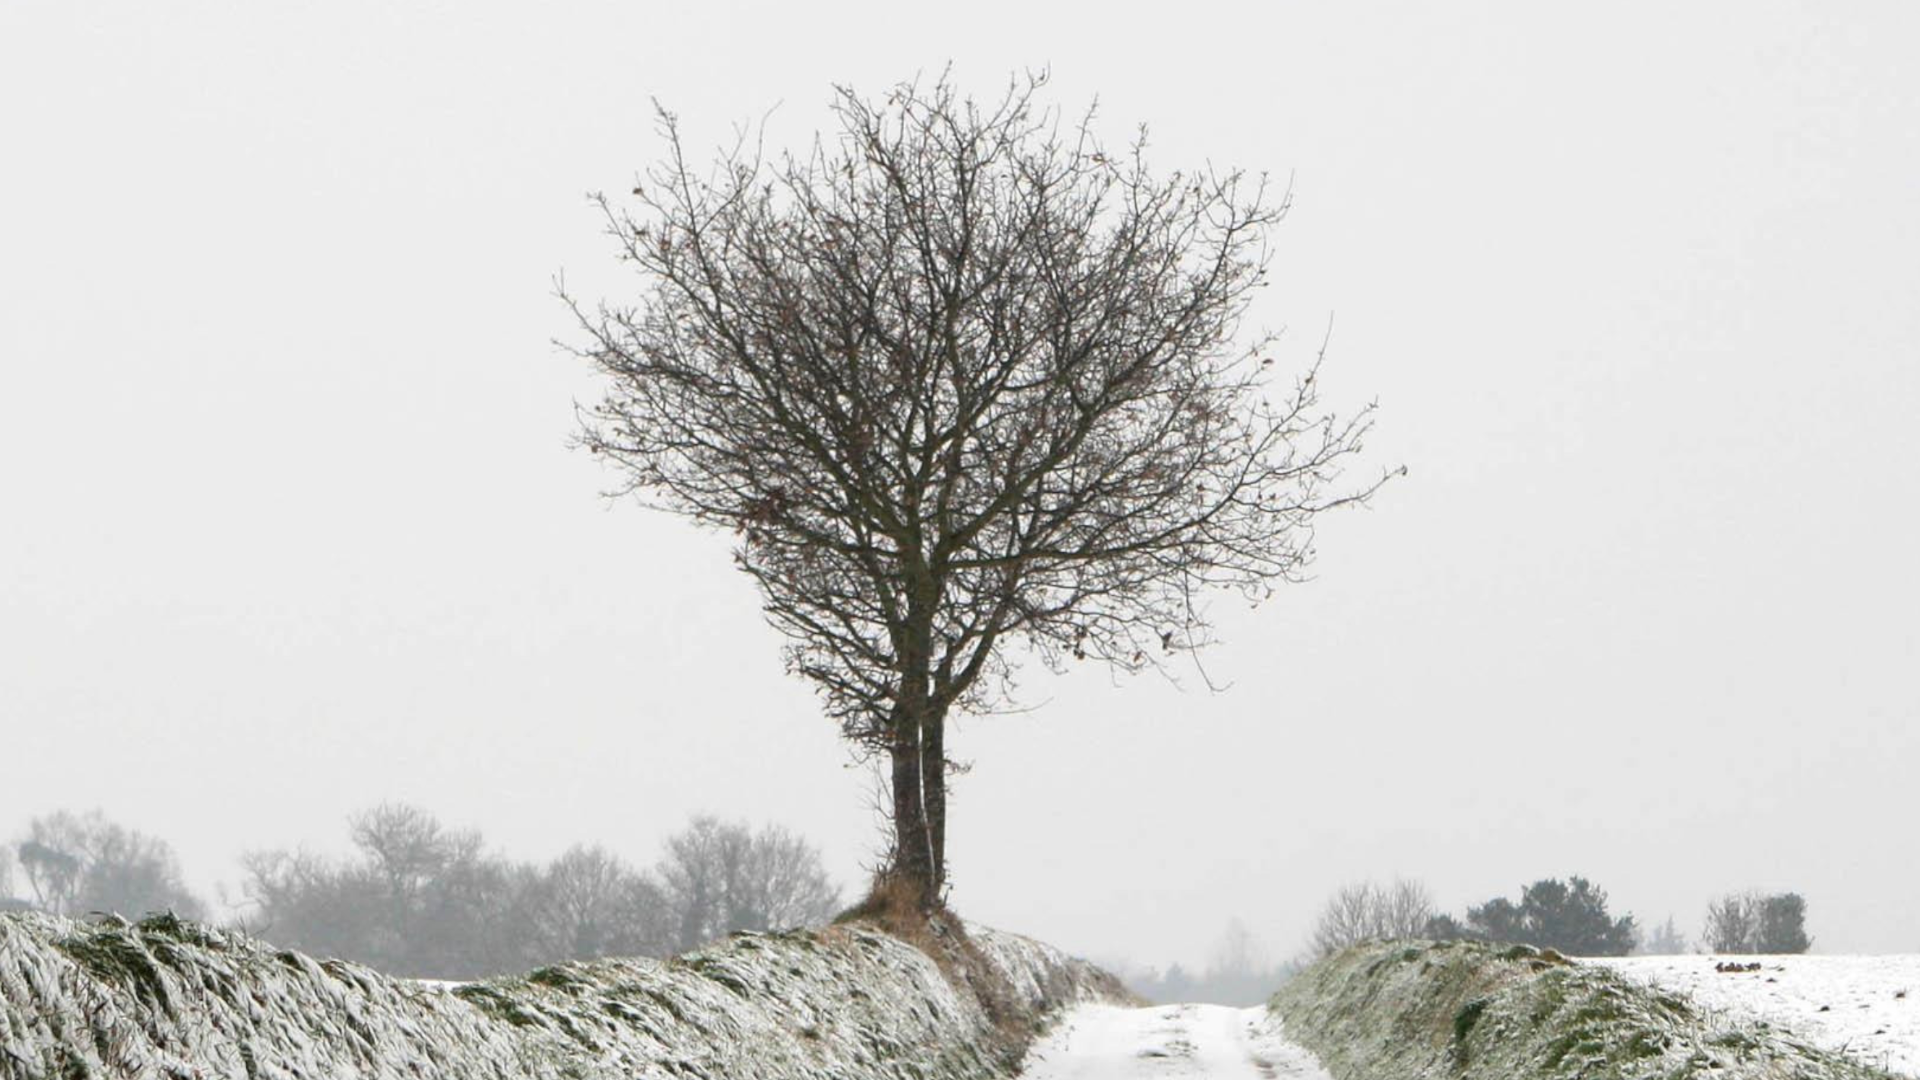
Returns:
(919,781)
(933,785)
(912,851)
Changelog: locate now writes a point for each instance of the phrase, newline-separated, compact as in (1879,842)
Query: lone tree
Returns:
(961,380)
(1756,922)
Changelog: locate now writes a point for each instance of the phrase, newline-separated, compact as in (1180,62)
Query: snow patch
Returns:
(1866,1007)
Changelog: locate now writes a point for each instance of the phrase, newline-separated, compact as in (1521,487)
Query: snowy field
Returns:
(1112,1042)
(1867,1007)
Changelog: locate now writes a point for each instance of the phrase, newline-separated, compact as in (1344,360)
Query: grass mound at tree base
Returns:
(1018,989)
(1423,1011)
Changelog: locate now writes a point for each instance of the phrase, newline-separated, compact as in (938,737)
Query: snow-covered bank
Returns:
(1111,1042)
(1867,1007)
(1483,1012)
(170,999)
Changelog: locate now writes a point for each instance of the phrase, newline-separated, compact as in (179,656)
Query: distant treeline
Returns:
(419,899)
(1238,973)
(1213,985)
(1569,916)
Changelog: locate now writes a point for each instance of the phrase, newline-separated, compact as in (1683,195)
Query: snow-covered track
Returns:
(1165,1042)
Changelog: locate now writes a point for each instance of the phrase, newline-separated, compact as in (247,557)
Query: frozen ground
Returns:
(1867,1007)
(1112,1042)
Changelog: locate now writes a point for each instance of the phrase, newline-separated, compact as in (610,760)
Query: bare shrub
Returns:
(1369,912)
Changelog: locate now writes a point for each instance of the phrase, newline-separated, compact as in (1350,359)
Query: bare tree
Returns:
(76,863)
(1732,922)
(1368,912)
(406,847)
(693,872)
(302,900)
(590,904)
(1406,909)
(1346,920)
(780,884)
(718,877)
(959,378)
(407,851)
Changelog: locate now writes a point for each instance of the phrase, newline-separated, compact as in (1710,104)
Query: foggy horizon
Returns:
(296,526)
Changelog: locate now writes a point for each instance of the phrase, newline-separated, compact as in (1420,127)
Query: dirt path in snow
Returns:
(1109,1042)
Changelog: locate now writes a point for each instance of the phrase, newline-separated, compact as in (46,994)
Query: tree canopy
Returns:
(961,379)
(1570,916)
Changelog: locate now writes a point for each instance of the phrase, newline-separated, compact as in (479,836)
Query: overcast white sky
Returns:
(289,524)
